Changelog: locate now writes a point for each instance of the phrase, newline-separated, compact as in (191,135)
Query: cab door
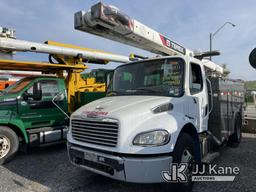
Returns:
(198,91)
(42,113)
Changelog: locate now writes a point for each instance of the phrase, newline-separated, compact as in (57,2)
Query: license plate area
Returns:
(91,156)
(97,161)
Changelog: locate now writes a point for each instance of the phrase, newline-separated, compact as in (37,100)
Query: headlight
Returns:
(152,138)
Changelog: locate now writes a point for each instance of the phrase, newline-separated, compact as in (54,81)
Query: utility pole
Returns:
(213,34)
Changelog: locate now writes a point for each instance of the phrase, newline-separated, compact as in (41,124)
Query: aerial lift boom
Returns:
(109,22)
(8,44)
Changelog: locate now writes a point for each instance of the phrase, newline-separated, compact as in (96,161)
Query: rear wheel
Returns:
(9,144)
(235,138)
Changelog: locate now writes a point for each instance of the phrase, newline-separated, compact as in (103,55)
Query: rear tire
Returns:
(184,152)
(235,138)
(9,144)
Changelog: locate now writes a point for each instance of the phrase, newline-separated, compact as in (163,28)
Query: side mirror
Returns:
(252,58)
(37,91)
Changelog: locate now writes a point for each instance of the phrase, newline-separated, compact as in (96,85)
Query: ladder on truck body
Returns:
(62,58)
(109,22)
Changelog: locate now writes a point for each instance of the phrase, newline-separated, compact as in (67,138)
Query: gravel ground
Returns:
(48,169)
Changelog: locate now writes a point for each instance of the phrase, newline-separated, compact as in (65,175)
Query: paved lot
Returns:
(48,169)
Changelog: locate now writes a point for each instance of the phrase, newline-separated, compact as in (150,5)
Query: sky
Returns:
(187,22)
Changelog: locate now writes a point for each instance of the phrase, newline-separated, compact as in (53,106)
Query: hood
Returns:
(121,105)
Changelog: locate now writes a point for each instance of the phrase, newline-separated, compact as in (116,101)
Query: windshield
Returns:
(157,77)
(18,86)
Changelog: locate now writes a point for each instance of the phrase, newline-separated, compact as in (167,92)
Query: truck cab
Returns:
(28,115)
(156,112)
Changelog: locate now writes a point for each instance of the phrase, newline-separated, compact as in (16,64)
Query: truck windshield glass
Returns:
(18,86)
(163,77)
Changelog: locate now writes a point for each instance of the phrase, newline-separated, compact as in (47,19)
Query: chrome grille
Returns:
(95,132)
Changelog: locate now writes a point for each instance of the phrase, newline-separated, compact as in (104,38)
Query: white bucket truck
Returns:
(170,109)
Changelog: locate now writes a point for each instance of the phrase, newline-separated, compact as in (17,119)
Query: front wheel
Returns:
(184,153)
(9,144)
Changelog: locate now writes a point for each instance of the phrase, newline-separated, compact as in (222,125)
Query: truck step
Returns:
(210,157)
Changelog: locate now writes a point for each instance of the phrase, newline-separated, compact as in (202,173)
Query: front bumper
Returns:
(125,168)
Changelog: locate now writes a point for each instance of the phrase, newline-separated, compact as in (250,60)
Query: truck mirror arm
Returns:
(59,97)
(26,95)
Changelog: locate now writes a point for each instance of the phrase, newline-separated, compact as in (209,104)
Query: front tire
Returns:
(184,152)
(9,144)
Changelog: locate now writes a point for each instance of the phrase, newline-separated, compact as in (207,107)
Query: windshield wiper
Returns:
(115,93)
(145,89)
